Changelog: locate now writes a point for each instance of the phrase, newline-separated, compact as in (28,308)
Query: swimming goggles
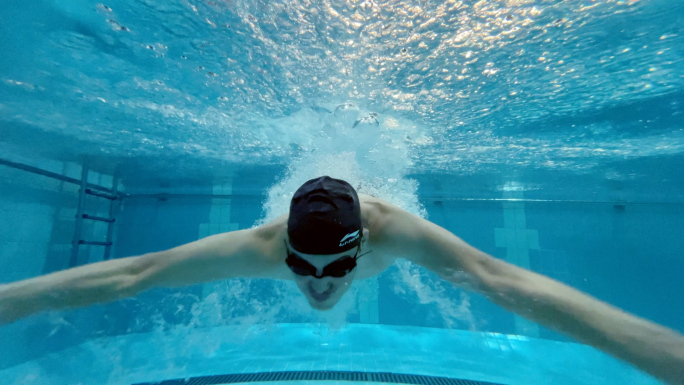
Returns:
(337,269)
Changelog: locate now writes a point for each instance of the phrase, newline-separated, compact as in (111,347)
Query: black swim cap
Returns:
(325,217)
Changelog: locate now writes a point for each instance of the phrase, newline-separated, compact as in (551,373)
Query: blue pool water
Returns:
(546,133)
(457,354)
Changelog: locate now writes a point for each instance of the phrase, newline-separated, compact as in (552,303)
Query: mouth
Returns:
(320,297)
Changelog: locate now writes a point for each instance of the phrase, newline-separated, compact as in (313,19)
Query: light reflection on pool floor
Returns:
(462,354)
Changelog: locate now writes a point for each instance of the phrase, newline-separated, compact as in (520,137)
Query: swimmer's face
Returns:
(323,293)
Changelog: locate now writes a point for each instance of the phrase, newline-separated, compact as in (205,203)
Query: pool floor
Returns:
(187,353)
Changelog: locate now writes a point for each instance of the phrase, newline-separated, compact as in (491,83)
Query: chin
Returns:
(325,305)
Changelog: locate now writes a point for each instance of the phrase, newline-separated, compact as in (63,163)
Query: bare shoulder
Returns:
(383,220)
(373,206)
(375,213)
(271,230)
(378,213)
(268,238)
(392,228)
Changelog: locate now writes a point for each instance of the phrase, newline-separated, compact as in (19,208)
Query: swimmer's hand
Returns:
(221,256)
(652,348)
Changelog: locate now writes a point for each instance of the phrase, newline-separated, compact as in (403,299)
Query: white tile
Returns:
(500,237)
(520,218)
(214,228)
(510,237)
(71,188)
(524,258)
(93,177)
(51,165)
(106,181)
(520,238)
(512,255)
(533,239)
(72,170)
(215,214)
(225,214)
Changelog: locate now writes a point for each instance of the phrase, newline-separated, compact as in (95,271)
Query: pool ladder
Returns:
(112,196)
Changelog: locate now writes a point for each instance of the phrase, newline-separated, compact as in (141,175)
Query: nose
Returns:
(320,285)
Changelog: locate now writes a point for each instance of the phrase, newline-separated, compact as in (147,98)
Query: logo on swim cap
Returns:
(349,238)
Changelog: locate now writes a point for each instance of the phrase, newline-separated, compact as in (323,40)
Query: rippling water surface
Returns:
(467,86)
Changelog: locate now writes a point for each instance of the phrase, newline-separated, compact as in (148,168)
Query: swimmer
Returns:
(333,236)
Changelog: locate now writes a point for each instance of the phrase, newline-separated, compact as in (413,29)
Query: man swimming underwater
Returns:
(325,243)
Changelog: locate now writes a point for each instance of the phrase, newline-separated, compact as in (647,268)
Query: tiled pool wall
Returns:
(627,255)
(623,254)
(620,253)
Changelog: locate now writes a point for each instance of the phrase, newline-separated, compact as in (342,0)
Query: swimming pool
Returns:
(545,133)
(421,352)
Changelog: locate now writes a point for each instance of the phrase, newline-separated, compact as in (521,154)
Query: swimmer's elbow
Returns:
(140,275)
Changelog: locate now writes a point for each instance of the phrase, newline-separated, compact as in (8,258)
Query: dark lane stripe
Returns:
(319,375)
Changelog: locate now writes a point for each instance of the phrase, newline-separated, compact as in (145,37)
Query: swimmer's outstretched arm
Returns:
(221,256)
(652,348)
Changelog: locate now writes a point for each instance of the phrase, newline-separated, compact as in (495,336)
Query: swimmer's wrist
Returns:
(24,298)
(15,303)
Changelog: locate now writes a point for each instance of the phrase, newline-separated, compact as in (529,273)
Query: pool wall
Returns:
(39,213)
(626,253)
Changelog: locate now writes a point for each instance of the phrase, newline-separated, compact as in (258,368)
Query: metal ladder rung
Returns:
(96,243)
(80,216)
(101,195)
(94,218)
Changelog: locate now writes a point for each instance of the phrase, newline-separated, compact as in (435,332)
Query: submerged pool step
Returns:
(318,375)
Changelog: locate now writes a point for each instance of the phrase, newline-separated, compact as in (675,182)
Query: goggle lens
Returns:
(337,269)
